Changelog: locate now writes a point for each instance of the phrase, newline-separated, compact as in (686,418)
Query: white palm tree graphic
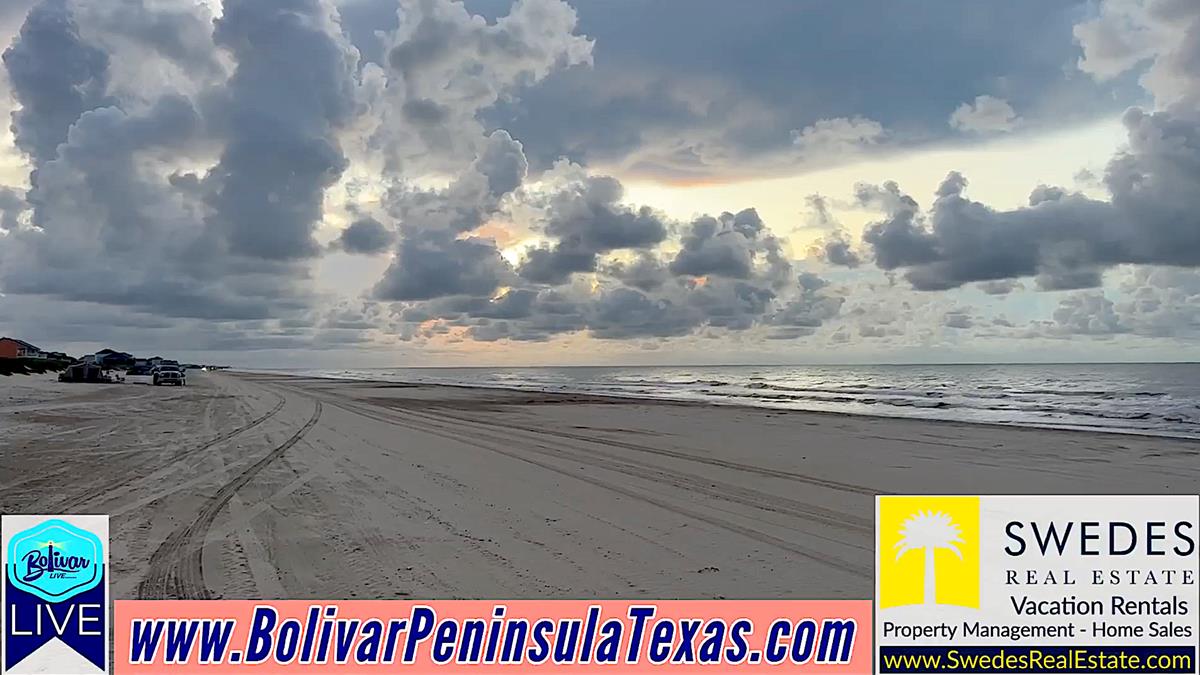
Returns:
(929,530)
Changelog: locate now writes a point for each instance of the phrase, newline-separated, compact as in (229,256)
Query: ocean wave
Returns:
(1150,400)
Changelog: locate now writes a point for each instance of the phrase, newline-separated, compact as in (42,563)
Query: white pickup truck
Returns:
(168,375)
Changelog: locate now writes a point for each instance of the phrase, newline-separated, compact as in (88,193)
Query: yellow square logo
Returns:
(927,551)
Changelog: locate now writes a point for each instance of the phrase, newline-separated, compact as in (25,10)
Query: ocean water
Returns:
(1156,399)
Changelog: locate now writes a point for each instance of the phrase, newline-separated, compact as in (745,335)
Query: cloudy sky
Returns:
(433,182)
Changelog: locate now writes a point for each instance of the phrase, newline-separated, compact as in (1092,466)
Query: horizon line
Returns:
(764,365)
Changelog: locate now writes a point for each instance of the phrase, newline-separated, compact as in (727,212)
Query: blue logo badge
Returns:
(55,561)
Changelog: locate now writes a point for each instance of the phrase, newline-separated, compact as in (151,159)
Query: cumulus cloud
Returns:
(1089,313)
(1155,302)
(1161,302)
(728,273)
(730,245)
(185,167)
(281,110)
(646,272)
(55,75)
(1063,239)
(584,219)
(837,249)
(1119,38)
(366,236)
(433,264)
(12,205)
(818,213)
(986,114)
(1156,37)
(838,135)
(183,164)
(445,65)
(815,304)
(116,222)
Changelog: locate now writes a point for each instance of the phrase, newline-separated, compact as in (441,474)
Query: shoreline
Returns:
(254,485)
(651,400)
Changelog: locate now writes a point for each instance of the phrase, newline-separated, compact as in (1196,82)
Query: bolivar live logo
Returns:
(55,595)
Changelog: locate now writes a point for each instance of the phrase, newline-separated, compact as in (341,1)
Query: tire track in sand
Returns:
(176,567)
(93,492)
(536,442)
(405,419)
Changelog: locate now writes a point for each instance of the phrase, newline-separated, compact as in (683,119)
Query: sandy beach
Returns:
(255,486)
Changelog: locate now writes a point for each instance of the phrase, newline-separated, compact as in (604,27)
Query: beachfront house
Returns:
(12,348)
(111,358)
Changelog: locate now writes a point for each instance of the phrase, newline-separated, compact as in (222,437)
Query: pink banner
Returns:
(447,636)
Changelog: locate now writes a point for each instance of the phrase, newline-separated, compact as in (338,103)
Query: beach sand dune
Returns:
(257,486)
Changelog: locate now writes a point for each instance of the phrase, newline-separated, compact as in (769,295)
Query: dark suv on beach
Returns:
(169,375)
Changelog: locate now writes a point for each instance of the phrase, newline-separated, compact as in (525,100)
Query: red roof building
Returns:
(13,348)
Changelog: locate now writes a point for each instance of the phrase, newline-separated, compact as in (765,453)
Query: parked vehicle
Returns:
(169,375)
(84,372)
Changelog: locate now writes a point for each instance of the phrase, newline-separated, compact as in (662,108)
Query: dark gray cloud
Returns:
(641,297)
(733,305)
(815,304)
(55,76)
(730,246)
(367,236)
(661,101)
(475,194)
(729,274)
(116,222)
(837,249)
(1065,240)
(151,45)
(624,313)
(617,311)
(646,272)
(586,219)
(422,111)
(433,263)
(182,165)
(900,239)
(442,66)
(280,110)
(554,265)
(958,318)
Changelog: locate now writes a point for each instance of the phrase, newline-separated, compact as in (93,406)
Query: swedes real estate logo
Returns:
(1044,584)
(55,595)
